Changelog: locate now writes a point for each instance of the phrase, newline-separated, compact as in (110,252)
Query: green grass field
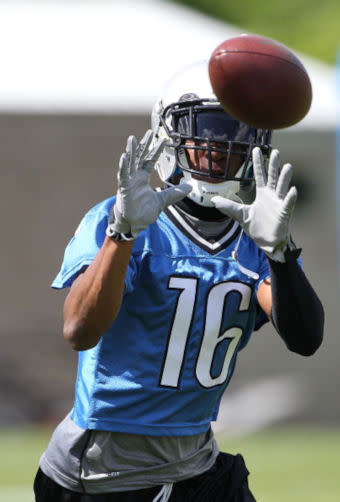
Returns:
(286,465)
(292,465)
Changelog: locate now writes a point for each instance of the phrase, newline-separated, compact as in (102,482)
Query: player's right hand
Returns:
(138,204)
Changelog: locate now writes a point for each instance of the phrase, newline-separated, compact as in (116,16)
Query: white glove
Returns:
(267,219)
(137,204)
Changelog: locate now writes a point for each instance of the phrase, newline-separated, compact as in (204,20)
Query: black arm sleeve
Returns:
(297,312)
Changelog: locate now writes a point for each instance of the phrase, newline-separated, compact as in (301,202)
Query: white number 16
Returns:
(181,325)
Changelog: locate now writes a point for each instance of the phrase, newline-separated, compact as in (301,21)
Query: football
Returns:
(260,82)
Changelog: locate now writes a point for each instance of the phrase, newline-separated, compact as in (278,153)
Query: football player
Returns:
(166,287)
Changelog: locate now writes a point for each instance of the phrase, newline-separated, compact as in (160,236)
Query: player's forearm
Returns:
(297,312)
(95,297)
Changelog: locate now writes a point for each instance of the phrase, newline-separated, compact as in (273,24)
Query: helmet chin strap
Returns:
(202,191)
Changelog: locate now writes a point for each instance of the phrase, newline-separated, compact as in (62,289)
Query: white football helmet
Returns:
(189,112)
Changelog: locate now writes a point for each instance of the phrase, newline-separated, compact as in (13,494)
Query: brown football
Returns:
(260,81)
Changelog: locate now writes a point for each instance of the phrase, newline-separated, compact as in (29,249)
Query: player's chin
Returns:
(209,179)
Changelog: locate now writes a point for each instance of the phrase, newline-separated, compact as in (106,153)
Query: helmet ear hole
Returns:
(166,164)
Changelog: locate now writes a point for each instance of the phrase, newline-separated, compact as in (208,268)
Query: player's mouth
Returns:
(214,173)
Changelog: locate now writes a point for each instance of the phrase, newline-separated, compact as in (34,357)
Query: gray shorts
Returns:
(226,481)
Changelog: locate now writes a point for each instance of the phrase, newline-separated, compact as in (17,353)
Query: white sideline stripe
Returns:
(16,494)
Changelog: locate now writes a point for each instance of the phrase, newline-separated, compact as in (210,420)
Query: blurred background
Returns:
(78,77)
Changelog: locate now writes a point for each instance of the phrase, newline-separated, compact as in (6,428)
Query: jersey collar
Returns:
(212,244)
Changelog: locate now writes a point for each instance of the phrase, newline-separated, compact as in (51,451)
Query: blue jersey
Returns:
(162,367)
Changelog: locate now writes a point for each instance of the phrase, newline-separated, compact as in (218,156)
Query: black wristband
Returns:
(291,254)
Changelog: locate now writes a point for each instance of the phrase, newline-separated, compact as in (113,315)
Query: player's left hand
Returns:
(267,220)
(137,204)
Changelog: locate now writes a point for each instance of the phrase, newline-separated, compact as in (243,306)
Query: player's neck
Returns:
(202,213)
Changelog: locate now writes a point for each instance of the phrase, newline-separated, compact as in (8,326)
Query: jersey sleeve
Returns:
(84,246)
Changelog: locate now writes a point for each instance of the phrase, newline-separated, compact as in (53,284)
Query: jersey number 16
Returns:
(182,320)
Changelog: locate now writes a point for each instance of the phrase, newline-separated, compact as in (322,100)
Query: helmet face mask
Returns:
(211,149)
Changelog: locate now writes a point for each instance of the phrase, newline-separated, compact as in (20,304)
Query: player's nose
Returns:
(217,151)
